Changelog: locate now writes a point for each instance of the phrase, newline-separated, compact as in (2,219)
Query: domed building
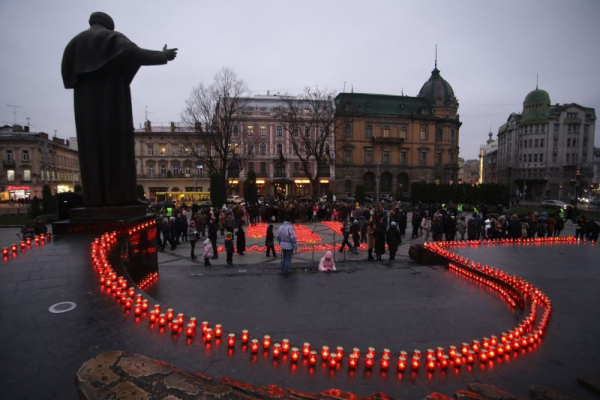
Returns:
(387,142)
(546,151)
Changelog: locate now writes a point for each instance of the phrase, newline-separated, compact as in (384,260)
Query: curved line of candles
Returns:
(524,336)
(25,245)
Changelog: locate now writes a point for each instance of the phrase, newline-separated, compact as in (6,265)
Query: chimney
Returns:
(148,126)
(26,128)
(172,126)
(197,126)
(44,135)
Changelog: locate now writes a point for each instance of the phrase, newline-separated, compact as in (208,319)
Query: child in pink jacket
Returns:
(327,264)
(208,252)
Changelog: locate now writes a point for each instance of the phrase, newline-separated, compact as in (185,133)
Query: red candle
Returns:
(401,363)
(464,349)
(384,363)
(431,364)
(458,360)
(312,358)
(371,351)
(28,241)
(491,352)
(333,360)
(137,310)
(476,346)
(500,350)
(452,351)
(152,317)
(266,342)
(507,346)
(218,330)
(193,321)
(162,320)
(254,346)
(131,292)
(417,353)
(145,305)
(285,345)
(369,361)
(356,352)
(128,303)
(204,327)
(416,362)
(444,361)
(174,326)
(138,299)
(471,357)
(180,319)
(295,355)
(339,353)
(306,349)
(245,336)
(483,355)
(231,339)
(37,239)
(352,361)
(429,354)
(387,353)
(22,245)
(190,330)
(156,309)
(404,354)
(14,248)
(324,353)
(486,343)
(170,314)
(276,350)
(439,352)
(208,335)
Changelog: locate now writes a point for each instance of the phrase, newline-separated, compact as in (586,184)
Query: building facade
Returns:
(489,161)
(166,166)
(31,160)
(387,142)
(547,150)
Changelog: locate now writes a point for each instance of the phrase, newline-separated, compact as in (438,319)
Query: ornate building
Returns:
(547,151)
(31,160)
(489,160)
(387,142)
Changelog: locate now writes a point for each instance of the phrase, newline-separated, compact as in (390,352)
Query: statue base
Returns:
(98,220)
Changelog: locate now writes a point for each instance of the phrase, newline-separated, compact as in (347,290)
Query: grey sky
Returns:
(489,52)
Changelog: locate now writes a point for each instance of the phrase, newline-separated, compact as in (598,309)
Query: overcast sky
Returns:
(489,52)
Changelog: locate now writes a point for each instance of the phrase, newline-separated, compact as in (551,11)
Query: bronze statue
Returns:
(99,64)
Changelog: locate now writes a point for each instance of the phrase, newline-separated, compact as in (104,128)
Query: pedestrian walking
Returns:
(380,240)
(371,239)
(393,238)
(192,235)
(229,247)
(270,241)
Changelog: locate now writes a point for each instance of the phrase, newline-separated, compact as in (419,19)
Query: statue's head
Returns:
(103,19)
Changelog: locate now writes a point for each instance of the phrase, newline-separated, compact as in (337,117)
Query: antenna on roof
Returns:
(436,55)
(14,112)
(344,87)
(147,113)
(402,91)
(537,80)
(352,90)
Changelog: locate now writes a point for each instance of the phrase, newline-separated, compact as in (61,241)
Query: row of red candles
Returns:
(25,244)
(522,336)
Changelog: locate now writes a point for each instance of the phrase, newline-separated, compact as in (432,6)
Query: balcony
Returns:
(8,163)
(387,140)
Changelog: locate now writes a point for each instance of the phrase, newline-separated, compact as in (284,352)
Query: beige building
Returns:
(489,159)
(387,142)
(31,160)
(166,166)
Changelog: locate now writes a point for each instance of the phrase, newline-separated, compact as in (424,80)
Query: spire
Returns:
(537,79)
(436,56)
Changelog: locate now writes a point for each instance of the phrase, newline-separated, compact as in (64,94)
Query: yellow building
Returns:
(387,142)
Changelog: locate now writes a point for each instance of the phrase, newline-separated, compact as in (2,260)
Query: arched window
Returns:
(369,181)
(279,149)
(250,149)
(263,149)
(348,186)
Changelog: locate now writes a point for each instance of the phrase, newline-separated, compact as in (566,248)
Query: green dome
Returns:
(536,105)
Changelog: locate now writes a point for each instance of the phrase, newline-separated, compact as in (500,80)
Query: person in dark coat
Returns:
(402,222)
(213,228)
(437,229)
(416,224)
(394,238)
(380,240)
(355,230)
(270,241)
(241,240)
(99,64)
(345,235)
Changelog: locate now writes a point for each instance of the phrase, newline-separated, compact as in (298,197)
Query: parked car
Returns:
(266,200)
(205,205)
(369,198)
(323,199)
(553,204)
(235,199)
(347,199)
(385,198)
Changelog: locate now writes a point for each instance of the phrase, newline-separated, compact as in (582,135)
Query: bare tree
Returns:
(216,114)
(310,121)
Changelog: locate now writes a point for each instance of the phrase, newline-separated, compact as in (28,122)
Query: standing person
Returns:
(550,225)
(371,239)
(270,241)
(416,224)
(394,238)
(241,240)
(192,234)
(380,240)
(437,229)
(213,228)
(471,229)
(355,236)
(346,235)
(208,252)
(286,237)
(461,228)
(230,222)
(229,247)
(581,229)
(426,228)
(173,232)
(182,226)
(402,222)
(327,264)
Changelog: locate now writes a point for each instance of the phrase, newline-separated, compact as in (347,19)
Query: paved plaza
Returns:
(397,305)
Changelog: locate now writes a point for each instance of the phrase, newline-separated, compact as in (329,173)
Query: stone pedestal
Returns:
(98,220)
